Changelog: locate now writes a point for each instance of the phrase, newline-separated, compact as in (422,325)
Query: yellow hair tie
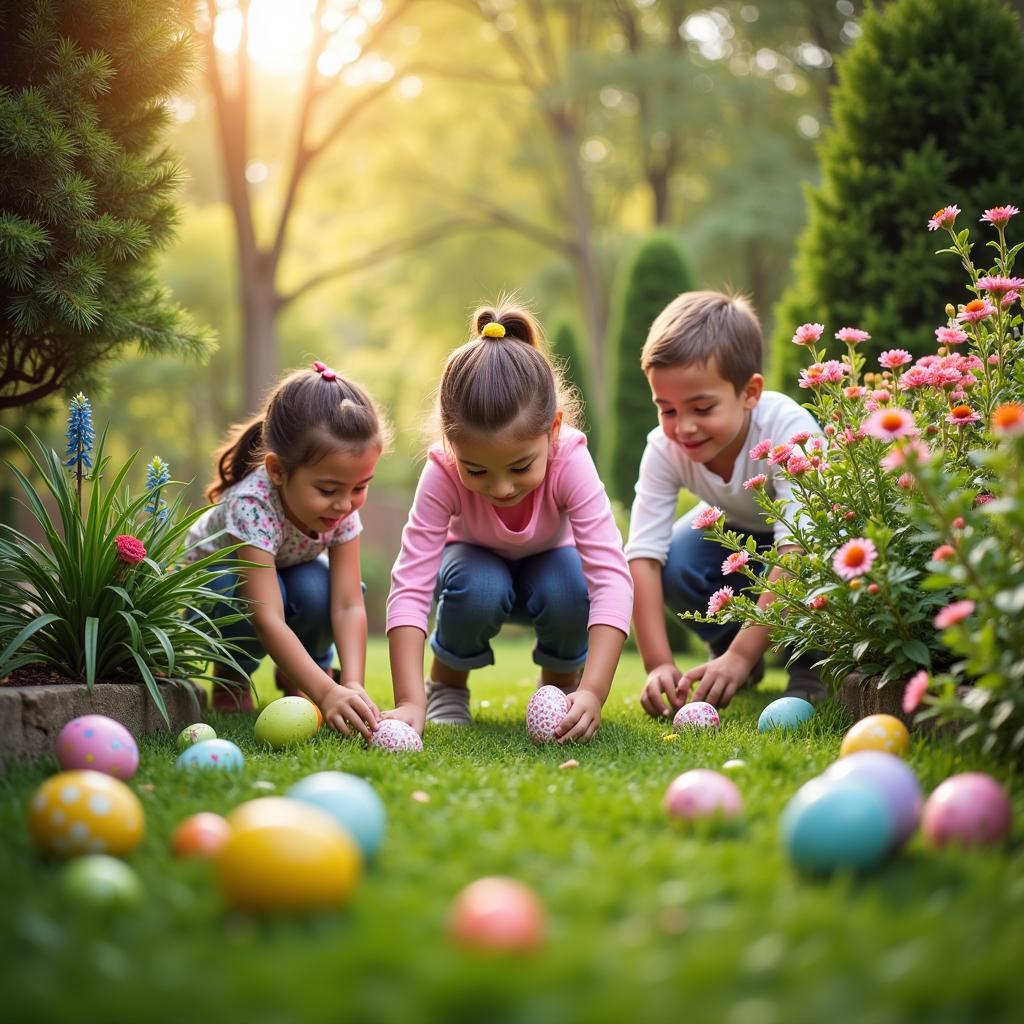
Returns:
(493,330)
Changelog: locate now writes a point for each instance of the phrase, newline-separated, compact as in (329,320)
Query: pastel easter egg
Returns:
(970,809)
(351,801)
(833,824)
(544,713)
(200,835)
(785,714)
(221,754)
(395,735)
(101,881)
(195,733)
(876,732)
(896,782)
(697,714)
(285,721)
(78,812)
(286,855)
(498,915)
(702,793)
(99,744)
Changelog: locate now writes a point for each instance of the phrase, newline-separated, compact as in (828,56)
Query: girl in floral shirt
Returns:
(289,488)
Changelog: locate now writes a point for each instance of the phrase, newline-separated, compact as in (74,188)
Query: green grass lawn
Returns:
(647,922)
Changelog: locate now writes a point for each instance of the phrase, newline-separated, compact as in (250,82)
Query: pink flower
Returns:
(1008,419)
(805,334)
(854,392)
(905,480)
(780,454)
(942,552)
(961,415)
(897,457)
(915,377)
(129,549)
(993,360)
(1009,299)
(735,562)
(895,357)
(999,215)
(851,335)
(817,603)
(796,465)
(887,424)
(943,218)
(801,437)
(958,523)
(754,482)
(854,558)
(997,285)
(706,518)
(950,335)
(953,613)
(761,449)
(916,688)
(719,599)
(976,309)
(822,373)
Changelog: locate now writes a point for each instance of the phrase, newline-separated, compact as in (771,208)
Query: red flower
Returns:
(130,549)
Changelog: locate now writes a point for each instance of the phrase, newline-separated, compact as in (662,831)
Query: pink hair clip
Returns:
(325,371)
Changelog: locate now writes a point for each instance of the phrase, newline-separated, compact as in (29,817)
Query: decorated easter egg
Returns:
(697,714)
(544,713)
(316,708)
(85,812)
(351,801)
(876,732)
(498,915)
(895,781)
(287,720)
(785,714)
(286,855)
(395,735)
(221,754)
(970,809)
(702,793)
(201,835)
(99,744)
(832,824)
(195,733)
(101,881)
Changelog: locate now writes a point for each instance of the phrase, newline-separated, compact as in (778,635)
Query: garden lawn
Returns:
(648,922)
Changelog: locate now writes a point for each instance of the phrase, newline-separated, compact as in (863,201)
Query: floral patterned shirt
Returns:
(251,511)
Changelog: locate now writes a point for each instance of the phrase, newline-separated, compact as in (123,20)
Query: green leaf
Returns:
(30,630)
(917,651)
(92,625)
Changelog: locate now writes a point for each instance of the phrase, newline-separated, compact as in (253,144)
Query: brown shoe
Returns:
(234,694)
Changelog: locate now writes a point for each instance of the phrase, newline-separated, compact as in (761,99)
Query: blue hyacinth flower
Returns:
(81,436)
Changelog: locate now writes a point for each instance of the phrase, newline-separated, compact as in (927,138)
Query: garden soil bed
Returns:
(37,702)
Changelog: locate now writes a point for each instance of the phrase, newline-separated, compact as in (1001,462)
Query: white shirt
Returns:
(665,469)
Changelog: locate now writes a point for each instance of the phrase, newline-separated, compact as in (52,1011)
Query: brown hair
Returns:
(696,327)
(305,416)
(493,382)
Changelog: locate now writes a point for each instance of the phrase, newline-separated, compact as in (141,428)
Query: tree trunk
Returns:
(259,329)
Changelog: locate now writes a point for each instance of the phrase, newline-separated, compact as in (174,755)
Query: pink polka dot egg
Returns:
(697,714)
(544,713)
(701,793)
(395,735)
(99,744)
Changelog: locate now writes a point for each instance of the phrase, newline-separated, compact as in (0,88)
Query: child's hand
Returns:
(719,679)
(582,719)
(663,684)
(348,707)
(411,714)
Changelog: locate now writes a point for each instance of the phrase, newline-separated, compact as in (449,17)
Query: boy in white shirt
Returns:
(702,359)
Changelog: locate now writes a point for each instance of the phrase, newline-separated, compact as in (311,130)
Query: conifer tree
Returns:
(565,349)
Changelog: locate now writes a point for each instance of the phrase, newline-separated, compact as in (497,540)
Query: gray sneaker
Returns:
(448,705)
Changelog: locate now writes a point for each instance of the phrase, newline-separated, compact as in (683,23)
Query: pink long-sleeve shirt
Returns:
(569,508)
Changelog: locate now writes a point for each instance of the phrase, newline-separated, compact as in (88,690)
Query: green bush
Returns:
(565,348)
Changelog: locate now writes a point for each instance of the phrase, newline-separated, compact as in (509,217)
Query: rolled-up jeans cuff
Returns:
(458,663)
(556,664)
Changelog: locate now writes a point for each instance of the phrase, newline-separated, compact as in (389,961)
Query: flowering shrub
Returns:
(856,590)
(104,594)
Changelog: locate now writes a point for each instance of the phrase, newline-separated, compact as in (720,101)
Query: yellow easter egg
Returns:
(876,732)
(286,855)
(85,812)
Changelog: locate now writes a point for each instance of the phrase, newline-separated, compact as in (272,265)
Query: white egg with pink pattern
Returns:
(697,714)
(544,714)
(395,735)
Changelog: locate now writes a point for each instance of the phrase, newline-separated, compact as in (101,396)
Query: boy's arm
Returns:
(652,639)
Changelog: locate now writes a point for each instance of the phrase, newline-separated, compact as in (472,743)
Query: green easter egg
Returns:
(285,721)
(195,734)
(101,881)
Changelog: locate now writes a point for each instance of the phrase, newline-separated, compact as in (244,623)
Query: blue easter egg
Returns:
(221,754)
(351,801)
(785,713)
(834,824)
(896,782)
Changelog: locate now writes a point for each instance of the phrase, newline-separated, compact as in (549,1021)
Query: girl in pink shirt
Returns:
(510,522)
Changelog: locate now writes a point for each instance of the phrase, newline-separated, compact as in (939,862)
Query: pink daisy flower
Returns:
(780,454)
(943,218)
(801,437)
(993,360)
(953,613)
(754,482)
(817,603)
(735,562)
(761,449)
(706,518)
(999,215)
(851,335)
(806,334)
(983,499)
(895,357)
(916,688)
(961,415)
(975,310)
(796,465)
(996,284)
(1009,299)
(854,392)
(1008,419)
(822,373)
(915,377)
(854,558)
(887,424)
(950,335)
(719,599)
(905,480)
(942,552)
(897,458)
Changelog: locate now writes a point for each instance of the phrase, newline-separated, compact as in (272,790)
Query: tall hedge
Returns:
(565,348)
(927,112)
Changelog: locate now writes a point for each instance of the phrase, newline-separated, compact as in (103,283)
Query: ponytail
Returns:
(238,457)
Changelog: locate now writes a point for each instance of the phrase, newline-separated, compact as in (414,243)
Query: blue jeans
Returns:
(306,596)
(478,591)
